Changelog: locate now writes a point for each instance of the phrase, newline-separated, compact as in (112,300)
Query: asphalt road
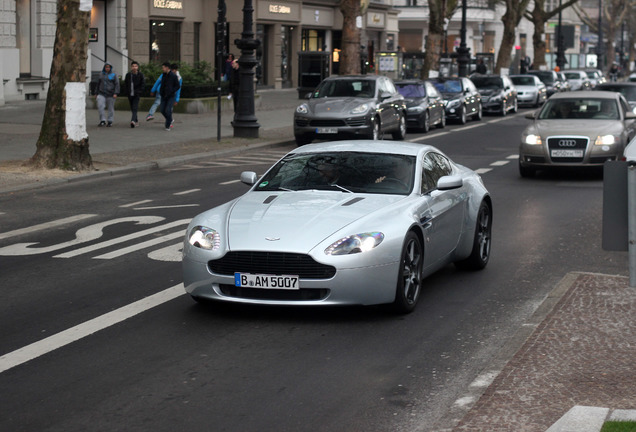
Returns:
(91,355)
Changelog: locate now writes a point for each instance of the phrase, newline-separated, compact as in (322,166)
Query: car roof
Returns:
(593,94)
(367,146)
(617,84)
(409,81)
(354,77)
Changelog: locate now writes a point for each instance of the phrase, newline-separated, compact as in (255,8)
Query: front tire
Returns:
(526,172)
(409,283)
(515,107)
(479,114)
(442,122)
(400,133)
(480,253)
(375,129)
(425,124)
(462,116)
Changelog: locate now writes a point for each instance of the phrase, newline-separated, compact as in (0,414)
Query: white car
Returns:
(341,223)
(578,80)
(530,90)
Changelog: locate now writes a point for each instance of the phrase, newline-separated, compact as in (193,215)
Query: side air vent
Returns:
(353,201)
(269,199)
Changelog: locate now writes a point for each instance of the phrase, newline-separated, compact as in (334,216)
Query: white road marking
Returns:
(166,207)
(500,163)
(73,334)
(187,192)
(172,253)
(83,235)
(483,170)
(230,182)
(123,239)
(135,203)
(514,156)
(46,225)
(423,138)
(139,246)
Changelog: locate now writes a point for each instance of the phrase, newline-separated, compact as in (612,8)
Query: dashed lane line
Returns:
(135,203)
(187,192)
(73,334)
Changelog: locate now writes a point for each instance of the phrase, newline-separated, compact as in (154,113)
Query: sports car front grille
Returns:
(274,294)
(277,263)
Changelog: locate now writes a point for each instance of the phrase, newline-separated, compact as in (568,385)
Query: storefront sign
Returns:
(168,4)
(375,19)
(279,9)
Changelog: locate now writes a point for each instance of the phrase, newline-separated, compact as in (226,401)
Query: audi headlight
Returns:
(533,139)
(355,243)
(360,109)
(204,238)
(302,109)
(605,140)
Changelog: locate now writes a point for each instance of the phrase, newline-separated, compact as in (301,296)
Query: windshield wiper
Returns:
(340,187)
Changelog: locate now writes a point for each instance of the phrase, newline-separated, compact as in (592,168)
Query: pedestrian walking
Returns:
(107,90)
(135,83)
(481,67)
(169,87)
(155,91)
(227,70)
(174,67)
(235,81)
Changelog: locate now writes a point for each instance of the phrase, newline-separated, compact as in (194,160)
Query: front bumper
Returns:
(326,128)
(593,155)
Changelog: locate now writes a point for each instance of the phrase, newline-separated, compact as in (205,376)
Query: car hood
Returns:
(490,92)
(451,96)
(526,88)
(411,102)
(297,221)
(591,128)
(335,106)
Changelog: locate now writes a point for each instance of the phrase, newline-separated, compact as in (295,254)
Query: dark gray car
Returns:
(424,104)
(356,106)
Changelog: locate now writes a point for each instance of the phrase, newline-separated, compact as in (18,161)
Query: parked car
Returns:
(632,77)
(578,80)
(576,129)
(550,79)
(498,93)
(595,76)
(627,89)
(565,84)
(341,223)
(358,106)
(424,104)
(530,89)
(461,98)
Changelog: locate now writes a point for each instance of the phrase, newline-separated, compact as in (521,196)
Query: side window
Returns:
(390,86)
(444,165)
(431,91)
(431,172)
(625,107)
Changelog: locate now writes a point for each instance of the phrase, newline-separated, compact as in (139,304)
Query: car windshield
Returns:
(487,83)
(546,77)
(572,75)
(411,90)
(362,88)
(595,109)
(360,172)
(449,86)
(591,74)
(523,80)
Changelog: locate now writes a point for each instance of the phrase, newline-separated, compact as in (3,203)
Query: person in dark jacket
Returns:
(169,87)
(107,90)
(235,83)
(135,83)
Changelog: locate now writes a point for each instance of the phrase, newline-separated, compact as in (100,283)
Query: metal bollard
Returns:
(631,216)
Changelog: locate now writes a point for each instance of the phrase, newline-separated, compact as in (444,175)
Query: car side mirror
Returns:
(249,178)
(531,115)
(308,95)
(630,115)
(385,95)
(449,182)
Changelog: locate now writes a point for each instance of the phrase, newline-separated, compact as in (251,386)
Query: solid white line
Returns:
(118,240)
(135,203)
(87,328)
(46,225)
(166,207)
(187,192)
(435,135)
(140,246)
(229,182)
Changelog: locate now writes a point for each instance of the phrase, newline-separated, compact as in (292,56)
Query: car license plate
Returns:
(324,130)
(567,153)
(249,280)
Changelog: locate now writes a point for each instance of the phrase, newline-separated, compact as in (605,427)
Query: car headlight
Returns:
(454,103)
(605,140)
(360,109)
(533,139)
(302,109)
(355,243)
(204,238)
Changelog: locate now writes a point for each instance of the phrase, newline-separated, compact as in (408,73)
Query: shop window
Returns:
(313,40)
(197,36)
(165,41)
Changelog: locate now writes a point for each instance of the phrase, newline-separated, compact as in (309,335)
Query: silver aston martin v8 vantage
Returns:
(341,223)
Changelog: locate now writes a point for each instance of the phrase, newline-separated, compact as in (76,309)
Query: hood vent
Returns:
(269,199)
(353,201)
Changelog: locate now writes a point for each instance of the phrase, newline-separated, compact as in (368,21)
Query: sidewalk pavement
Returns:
(570,367)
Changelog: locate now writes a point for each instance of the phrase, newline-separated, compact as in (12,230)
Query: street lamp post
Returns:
(560,60)
(220,56)
(463,52)
(245,123)
(599,45)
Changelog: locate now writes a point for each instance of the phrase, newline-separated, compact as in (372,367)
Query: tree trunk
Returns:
(435,38)
(510,21)
(538,20)
(54,147)
(350,55)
